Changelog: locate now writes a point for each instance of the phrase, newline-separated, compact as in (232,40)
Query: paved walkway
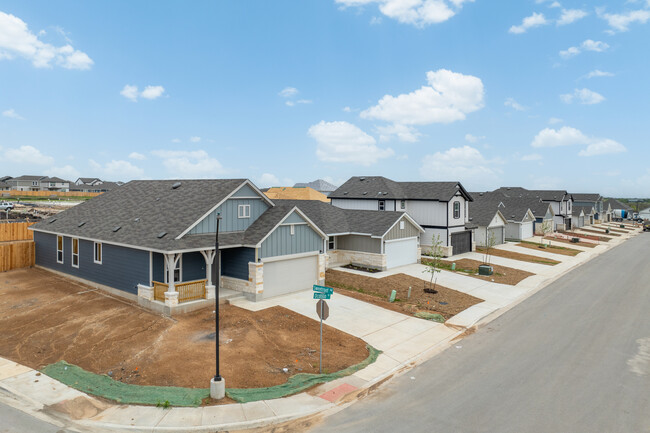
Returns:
(405,341)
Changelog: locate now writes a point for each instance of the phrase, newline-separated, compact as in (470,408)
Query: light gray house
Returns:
(594,200)
(560,200)
(519,218)
(54,184)
(644,213)
(38,183)
(441,208)
(489,221)
(578,217)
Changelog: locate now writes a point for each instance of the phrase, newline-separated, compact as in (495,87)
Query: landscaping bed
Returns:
(518,256)
(555,249)
(568,241)
(46,318)
(446,302)
(501,275)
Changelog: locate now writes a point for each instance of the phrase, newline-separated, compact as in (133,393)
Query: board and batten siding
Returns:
(364,244)
(281,242)
(457,221)
(427,213)
(409,231)
(234,262)
(351,203)
(230,221)
(122,268)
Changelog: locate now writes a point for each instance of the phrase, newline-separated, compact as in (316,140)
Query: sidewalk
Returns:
(405,341)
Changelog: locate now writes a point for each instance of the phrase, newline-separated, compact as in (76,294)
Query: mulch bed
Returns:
(550,249)
(501,275)
(446,302)
(518,256)
(567,241)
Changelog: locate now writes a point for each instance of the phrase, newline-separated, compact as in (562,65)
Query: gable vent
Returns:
(116,228)
(161,235)
(81,223)
(176,185)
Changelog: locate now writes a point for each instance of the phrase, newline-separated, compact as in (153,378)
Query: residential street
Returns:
(575,357)
(14,421)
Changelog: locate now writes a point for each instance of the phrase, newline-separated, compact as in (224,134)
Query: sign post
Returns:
(322,309)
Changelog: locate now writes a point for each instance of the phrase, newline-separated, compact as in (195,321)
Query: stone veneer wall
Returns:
(371,260)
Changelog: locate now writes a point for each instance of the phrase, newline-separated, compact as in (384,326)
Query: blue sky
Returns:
(533,93)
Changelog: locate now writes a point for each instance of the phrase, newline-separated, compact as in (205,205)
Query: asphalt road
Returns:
(575,358)
(14,421)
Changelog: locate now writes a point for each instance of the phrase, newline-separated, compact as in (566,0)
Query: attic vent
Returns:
(345,193)
(52,220)
(161,235)
(116,228)
(362,179)
(81,223)
(365,193)
(157,198)
(481,194)
(176,185)
(385,193)
(137,220)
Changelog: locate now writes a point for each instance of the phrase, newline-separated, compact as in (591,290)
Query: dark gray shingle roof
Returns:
(319,185)
(379,187)
(586,197)
(615,204)
(512,208)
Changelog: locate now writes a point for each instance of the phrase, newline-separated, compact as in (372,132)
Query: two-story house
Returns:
(54,184)
(26,183)
(594,200)
(441,208)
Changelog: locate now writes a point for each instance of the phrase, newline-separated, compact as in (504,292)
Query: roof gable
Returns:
(379,187)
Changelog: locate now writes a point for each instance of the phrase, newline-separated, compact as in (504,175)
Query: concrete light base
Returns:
(210,292)
(217,389)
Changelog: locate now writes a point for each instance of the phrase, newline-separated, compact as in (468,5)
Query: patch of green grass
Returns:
(434,317)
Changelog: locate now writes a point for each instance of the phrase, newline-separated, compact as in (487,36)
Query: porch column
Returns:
(210,289)
(171,295)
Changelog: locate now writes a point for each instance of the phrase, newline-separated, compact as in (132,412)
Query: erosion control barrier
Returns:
(104,386)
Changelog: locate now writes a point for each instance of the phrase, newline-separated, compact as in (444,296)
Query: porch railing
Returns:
(188,291)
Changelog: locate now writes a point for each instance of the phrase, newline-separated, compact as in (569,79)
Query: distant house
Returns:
(38,183)
(441,208)
(490,224)
(644,213)
(594,200)
(295,193)
(319,185)
(560,200)
(54,184)
(88,181)
(94,185)
(519,218)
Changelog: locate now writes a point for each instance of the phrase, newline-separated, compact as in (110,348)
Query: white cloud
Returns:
(27,155)
(621,22)
(267,180)
(554,120)
(583,96)
(449,97)
(17,40)
(532,157)
(473,138)
(195,139)
(299,101)
(535,20)
(419,13)
(176,140)
(459,163)
(117,170)
(570,16)
(347,109)
(567,136)
(588,45)
(402,132)
(137,156)
(11,113)
(598,73)
(189,164)
(150,92)
(510,102)
(345,142)
(288,92)
(67,172)
(602,146)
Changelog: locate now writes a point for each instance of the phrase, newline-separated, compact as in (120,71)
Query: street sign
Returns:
(323,289)
(322,309)
(318,295)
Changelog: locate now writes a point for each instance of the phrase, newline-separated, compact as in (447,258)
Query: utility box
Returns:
(485,270)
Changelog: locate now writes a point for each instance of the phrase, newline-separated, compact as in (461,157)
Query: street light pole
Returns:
(218,383)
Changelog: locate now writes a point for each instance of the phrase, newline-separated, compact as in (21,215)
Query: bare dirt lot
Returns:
(555,249)
(46,318)
(446,302)
(567,241)
(502,274)
(518,256)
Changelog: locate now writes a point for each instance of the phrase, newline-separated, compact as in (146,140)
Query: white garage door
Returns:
(292,275)
(498,234)
(402,252)
(527,230)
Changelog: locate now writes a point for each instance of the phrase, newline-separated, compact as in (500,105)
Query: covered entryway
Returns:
(461,242)
(401,252)
(289,275)
(496,233)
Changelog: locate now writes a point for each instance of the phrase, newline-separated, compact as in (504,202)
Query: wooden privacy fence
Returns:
(10,231)
(189,291)
(15,255)
(16,193)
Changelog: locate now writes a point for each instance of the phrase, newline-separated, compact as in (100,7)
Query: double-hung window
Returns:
(59,249)
(178,271)
(402,204)
(244,211)
(456,209)
(98,253)
(331,243)
(75,252)
(382,205)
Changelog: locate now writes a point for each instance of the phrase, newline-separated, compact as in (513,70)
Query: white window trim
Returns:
(60,250)
(244,211)
(72,254)
(456,203)
(101,254)
(180,271)
(401,225)
(402,204)
(293,229)
(333,243)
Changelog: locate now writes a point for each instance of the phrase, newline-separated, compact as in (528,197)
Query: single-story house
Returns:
(488,220)
(544,217)
(520,219)
(578,217)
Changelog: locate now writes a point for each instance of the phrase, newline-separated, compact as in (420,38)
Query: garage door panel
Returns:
(292,275)
(461,242)
(527,230)
(400,253)
(498,233)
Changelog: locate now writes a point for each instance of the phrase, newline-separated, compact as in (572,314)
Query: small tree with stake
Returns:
(490,242)
(433,264)
(547,227)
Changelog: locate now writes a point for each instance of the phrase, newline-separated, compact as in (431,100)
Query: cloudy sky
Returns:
(536,93)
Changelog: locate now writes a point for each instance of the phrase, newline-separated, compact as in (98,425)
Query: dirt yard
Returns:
(46,318)
(555,249)
(518,256)
(446,302)
(600,232)
(501,275)
(567,241)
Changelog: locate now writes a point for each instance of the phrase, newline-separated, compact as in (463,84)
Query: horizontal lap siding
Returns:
(281,242)
(158,261)
(364,244)
(234,262)
(122,268)
(193,266)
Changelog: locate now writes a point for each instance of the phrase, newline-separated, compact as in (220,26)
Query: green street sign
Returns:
(318,295)
(323,289)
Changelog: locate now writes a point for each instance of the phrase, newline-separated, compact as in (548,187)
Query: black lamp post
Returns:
(217,376)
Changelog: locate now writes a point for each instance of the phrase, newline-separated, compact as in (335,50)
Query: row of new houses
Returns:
(55,184)
(154,241)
